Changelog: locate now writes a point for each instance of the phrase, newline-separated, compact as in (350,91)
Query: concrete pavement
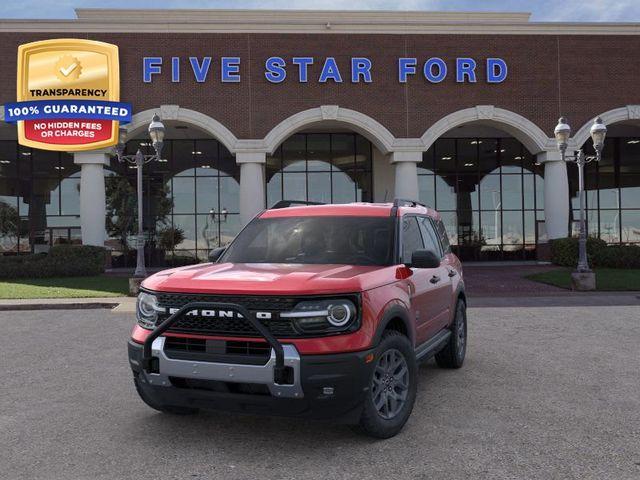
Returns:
(545,393)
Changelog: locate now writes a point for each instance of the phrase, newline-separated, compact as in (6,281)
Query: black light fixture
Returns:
(156,133)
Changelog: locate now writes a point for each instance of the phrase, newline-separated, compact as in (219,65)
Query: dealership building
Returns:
(456,110)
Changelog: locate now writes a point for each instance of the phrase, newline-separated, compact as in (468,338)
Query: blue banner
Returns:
(67,109)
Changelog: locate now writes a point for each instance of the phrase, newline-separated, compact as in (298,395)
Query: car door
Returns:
(440,295)
(420,286)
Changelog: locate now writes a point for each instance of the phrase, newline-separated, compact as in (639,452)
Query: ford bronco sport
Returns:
(321,311)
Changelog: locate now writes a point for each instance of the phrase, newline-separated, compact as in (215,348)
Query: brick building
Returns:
(454,109)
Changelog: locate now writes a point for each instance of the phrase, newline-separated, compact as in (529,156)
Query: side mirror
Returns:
(216,253)
(424,259)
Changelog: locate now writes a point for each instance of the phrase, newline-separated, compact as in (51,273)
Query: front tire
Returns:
(392,387)
(452,355)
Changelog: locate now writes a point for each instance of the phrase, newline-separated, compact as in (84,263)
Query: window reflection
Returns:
(489,192)
(612,191)
(630,224)
(39,199)
(320,167)
(188,196)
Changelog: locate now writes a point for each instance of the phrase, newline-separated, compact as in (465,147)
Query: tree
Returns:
(122,208)
(9,222)
(169,237)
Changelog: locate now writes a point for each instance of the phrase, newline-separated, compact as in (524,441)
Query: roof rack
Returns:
(291,203)
(401,202)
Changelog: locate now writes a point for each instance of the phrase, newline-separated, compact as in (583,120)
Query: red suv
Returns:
(320,311)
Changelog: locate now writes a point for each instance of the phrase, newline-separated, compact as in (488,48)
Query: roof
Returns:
(344,210)
(310,21)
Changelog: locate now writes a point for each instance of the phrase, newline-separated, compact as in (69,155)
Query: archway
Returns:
(331,115)
(191,196)
(521,128)
(612,186)
(327,154)
(175,114)
(482,175)
(38,196)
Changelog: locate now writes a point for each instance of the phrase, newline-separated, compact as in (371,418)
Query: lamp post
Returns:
(562,133)
(156,133)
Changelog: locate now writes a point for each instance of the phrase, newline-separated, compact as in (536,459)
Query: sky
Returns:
(542,10)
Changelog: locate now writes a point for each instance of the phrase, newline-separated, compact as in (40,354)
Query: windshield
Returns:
(314,240)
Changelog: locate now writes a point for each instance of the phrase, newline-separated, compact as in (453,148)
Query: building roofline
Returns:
(279,16)
(310,21)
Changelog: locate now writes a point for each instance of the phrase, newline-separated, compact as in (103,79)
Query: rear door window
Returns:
(411,238)
(429,236)
(442,234)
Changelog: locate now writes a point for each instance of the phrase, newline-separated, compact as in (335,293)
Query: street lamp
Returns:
(562,133)
(156,133)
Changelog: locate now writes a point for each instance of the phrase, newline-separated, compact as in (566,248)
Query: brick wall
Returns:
(578,76)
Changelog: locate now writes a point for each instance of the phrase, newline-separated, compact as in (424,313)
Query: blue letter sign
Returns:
(323,70)
(496,70)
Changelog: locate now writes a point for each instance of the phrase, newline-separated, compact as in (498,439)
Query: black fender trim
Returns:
(391,313)
(460,292)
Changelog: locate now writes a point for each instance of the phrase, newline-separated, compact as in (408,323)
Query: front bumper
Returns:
(318,386)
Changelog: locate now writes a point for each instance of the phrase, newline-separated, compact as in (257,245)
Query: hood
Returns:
(270,278)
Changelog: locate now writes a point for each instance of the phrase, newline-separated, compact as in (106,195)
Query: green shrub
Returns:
(618,256)
(173,261)
(564,252)
(61,261)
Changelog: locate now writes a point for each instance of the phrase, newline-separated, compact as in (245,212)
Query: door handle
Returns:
(452,273)
(435,279)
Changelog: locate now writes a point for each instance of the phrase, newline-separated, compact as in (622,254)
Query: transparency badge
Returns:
(68,95)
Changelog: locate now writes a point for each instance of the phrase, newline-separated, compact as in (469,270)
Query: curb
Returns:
(57,306)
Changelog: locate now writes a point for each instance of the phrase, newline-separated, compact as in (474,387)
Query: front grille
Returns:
(220,386)
(237,327)
(249,302)
(221,351)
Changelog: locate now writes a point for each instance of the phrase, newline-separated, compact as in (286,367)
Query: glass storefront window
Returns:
(610,226)
(490,193)
(612,191)
(207,194)
(320,167)
(319,152)
(70,195)
(630,224)
(320,187)
(512,192)
(445,195)
(184,199)
(630,189)
(195,189)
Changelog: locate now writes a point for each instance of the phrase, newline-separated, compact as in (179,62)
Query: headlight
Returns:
(147,310)
(340,314)
(324,316)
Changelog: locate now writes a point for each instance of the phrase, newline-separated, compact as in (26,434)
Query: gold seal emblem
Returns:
(68,68)
(73,70)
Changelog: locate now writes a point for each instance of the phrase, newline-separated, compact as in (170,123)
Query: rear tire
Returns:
(170,409)
(392,387)
(452,355)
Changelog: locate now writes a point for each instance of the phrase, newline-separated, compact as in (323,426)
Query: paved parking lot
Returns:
(546,393)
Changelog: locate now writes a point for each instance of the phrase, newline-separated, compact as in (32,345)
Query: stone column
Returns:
(406,173)
(92,196)
(252,187)
(556,194)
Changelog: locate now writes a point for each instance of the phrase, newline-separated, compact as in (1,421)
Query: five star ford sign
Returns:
(68,95)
